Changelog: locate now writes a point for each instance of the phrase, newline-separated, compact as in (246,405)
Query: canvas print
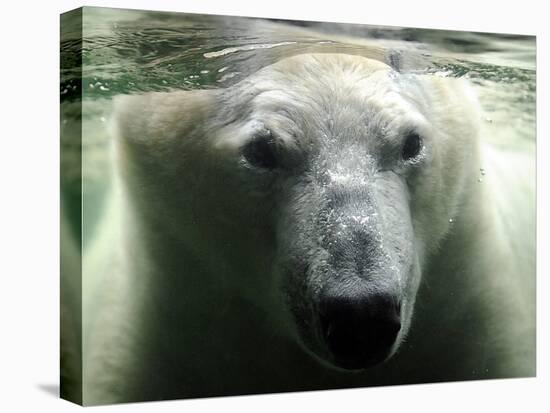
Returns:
(257,205)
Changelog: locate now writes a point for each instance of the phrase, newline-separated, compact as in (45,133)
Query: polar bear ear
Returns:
(161,119)
(394,59)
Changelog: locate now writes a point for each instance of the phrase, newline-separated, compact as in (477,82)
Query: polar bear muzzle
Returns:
(351,267)
(359,327)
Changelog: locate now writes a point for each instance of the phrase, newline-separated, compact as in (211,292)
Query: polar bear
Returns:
(327,222)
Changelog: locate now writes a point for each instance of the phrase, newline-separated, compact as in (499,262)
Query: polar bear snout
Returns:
(360,327)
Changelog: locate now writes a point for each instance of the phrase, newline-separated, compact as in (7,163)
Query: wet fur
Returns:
(198,297)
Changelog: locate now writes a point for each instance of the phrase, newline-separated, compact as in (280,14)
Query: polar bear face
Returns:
(318,187)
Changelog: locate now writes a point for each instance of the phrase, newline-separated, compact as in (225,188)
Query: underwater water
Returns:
(126,51)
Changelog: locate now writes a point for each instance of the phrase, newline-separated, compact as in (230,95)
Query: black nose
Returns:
(359,328)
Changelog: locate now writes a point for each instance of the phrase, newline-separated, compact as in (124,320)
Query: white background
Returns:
(29,176)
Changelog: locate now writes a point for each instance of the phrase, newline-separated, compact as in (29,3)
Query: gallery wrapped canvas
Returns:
(256,205)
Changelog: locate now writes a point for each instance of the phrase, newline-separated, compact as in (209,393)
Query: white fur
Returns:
(188,299)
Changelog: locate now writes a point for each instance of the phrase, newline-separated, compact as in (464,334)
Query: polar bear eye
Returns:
(412,146)
(260,152)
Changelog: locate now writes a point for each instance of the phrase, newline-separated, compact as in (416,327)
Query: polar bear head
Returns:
(318,188)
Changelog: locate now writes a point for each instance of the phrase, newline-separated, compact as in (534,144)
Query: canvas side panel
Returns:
(71,205)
